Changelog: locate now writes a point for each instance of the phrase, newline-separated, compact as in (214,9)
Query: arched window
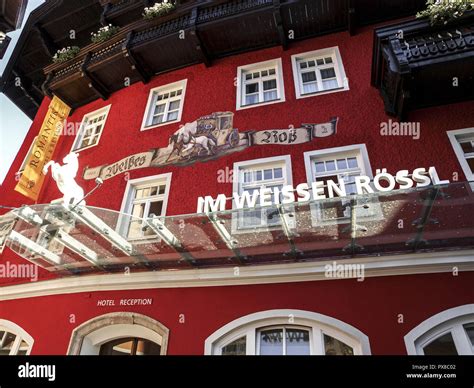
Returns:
(287,332)
(14,341)
(450,332)
(119,334)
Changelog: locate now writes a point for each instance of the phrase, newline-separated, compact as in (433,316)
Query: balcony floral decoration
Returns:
(445,11)
(104,33)
(65,54)
(158,9)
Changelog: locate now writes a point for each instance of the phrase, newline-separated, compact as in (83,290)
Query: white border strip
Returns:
(421,263)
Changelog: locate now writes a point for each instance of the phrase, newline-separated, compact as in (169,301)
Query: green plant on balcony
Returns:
(104,33)
(65,54)
(158,9)
(445,11)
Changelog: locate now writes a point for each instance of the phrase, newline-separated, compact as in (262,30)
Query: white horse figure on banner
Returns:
(64,177)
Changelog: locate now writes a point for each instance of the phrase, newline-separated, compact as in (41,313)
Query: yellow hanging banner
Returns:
(32,178)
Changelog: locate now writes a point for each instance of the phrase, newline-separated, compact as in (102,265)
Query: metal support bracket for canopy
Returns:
(353,228)
(169,238)
(227,238)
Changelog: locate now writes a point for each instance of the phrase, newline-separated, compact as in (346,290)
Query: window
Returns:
(121,333)
(165,105)
(91,129)
(14,341)
(462,141)
(260,84)
(254,175)
(268,333)
(450,332)
(130,347)
(143,198)
(343,163)
(319,72)
(28,154)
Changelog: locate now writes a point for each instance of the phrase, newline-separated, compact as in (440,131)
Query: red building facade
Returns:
(408,298)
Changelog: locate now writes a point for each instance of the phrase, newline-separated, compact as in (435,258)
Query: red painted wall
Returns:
(371,306)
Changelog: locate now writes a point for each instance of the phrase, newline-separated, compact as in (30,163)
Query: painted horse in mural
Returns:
(64,176)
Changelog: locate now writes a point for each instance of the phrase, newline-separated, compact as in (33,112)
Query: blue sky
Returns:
(14,124)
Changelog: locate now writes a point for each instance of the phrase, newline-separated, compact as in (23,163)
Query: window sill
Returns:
(243,107)
(160,125)
(315,94)
(79,150)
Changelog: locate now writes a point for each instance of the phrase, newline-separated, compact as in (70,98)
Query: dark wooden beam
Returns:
(138,67)
(282,34)
(45,86)
(46,40)
(25,87)
(351,16)
(93,83)
(200,47)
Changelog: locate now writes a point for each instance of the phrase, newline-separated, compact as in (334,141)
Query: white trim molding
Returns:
(453,138)
(321,54)
(21,335)
(87,338)
(447,321)
(104,111)
(172,87)
(418,263)
(258,68)
(318,323)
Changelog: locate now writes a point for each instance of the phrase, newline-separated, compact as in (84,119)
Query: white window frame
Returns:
(318,324)
(23,164)
(241,70)
(451,320)
(343,82)
(21,335)
(80,134)
(453,138)
(274,161)
(127,202)
(360,151)
(151,99)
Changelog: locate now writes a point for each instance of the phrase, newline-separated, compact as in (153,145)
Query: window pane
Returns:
(320,167)
(174,105)
(271,342)
(328,73)
(330,84)
(308,77)
(328,60)
(251,88)
(441,346)
(352,162)
(147,348)
(156,208)
(173,116)
(470,162)
(6,343)
(470,332)
(467,146)
(310,88)
(278,173)
(341,164)
(157,119)
(297,342)
(320,62)
(258,175)
(159,109)
(23,348)
(270,96)
(334,347)
(253,99)
(330,165)
(270,85)
(236,348)
(267,174)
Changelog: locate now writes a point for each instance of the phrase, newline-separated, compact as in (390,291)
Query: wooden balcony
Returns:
(416,65)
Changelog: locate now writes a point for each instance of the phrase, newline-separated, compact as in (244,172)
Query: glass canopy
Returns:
(77,240)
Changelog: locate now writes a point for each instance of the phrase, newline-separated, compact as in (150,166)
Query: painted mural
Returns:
(208,138)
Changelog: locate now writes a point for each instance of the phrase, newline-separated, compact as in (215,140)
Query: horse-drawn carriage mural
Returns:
(207,138)
(204,138)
